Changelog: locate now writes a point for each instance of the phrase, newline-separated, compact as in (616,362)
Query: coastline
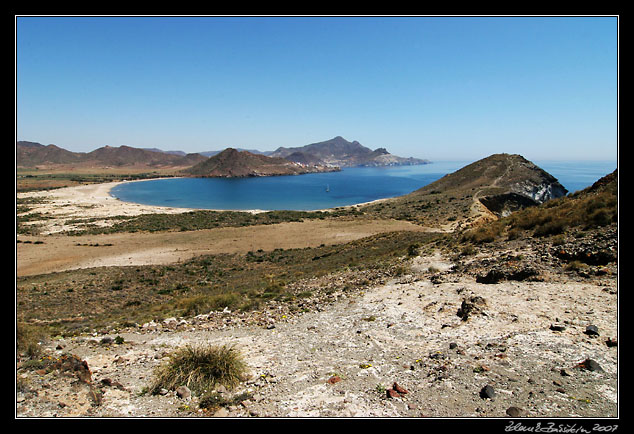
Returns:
(251,211)
(92,201)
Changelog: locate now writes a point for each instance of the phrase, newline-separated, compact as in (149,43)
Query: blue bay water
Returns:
(323,190)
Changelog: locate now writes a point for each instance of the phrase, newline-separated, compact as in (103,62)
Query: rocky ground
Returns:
(445,341)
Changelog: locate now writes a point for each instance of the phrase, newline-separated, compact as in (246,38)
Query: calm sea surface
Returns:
(324,190)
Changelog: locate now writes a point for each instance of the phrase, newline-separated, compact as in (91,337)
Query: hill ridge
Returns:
(232,163)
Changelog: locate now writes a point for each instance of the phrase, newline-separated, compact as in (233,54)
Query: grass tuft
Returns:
(200,369)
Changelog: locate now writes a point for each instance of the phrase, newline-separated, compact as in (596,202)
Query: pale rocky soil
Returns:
(405,331)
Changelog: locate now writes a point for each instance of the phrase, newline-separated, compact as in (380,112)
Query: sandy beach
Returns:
(64,210)
(86,201)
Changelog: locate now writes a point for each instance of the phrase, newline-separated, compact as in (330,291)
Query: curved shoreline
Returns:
(251,211)
(65,207)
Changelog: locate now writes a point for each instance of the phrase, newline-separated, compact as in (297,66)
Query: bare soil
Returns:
(340,358)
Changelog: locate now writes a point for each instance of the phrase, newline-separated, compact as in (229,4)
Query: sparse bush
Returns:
(484,234)
(27,340)
(205,303)
(467,250)
(200,369)
(412,250)
(575,266)
(550,228)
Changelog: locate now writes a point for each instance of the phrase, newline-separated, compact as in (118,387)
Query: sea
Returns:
(318,191)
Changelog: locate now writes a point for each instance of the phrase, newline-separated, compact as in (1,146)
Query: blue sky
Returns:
(441,88)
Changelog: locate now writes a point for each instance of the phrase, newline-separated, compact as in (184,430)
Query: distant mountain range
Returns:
(31,154)
(336,152)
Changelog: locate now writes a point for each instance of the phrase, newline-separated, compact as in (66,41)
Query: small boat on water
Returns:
(327,188)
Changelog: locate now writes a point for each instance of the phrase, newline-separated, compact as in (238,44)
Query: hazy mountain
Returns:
(340,152)
(31,154)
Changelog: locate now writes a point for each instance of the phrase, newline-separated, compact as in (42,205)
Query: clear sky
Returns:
(440,88)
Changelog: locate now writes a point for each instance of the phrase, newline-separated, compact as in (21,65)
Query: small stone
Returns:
(183,392)
(592,330)
(399,389)
(334,379)
(557,327)
(391,393)
(514,412)
(452,345)
(487,392)
(221,412)
(590,365)
(611,342)
(221,388)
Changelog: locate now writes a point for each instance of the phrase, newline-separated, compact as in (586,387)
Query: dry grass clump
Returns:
(200,369)
(27,340)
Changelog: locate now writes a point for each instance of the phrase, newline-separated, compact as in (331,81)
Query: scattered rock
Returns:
(487,392)
(75,365)
(514,412)
(592,330)
(557,327)
(611,342)
(183,392)
(399,389)
(590,365)
(334,379)
(506,272)
(396,391)
(221,412)
(391,393)
(470,305)
(493,276)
